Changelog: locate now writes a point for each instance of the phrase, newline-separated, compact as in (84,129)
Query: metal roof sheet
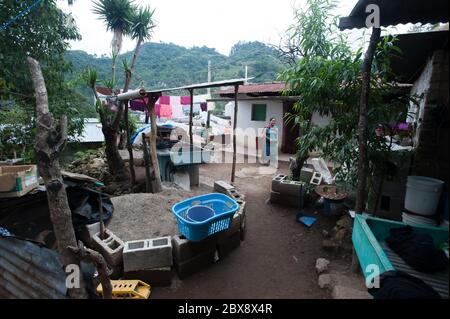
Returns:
(30,271)
(395,12)
(257,88)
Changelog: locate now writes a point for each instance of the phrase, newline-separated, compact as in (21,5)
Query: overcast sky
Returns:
(214,23)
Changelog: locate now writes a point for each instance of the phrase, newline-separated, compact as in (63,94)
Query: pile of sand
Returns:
(143,216)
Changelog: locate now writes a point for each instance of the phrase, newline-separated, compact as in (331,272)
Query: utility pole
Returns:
(209,76)
(246,74)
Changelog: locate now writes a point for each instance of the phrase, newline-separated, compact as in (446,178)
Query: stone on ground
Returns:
(322,265)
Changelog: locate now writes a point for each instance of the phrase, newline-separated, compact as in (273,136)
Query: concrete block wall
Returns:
(147,254)
(281,199)
(157,277)
(111,248)
(432,154)
(222,187)
(291,188)
(276,182)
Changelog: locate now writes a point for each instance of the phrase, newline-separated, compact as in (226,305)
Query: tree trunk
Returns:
(129,146)
(49,145)
(296,167)
(137,50)
(147,162)
(122,140)
(89,255)
(153,154)
(115,162)
(116,45)
(363,122)
(128,78)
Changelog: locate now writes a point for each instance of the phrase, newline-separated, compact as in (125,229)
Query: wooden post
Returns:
(147,163)
(208,120)
(49,145)
(89,255)
(363,121)
(191,119)
(208,127)
(236,109)
(102,225)
(153,154)
(129,146)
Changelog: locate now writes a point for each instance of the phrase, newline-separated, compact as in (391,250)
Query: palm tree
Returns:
(117,15)
(142,30)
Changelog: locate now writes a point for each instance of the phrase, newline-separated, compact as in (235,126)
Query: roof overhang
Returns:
(233,82)
(394,12)
(416,49)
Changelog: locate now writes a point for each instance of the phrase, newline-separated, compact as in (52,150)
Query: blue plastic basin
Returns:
(200,213)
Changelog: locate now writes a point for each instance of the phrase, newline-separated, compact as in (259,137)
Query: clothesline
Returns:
(170,106)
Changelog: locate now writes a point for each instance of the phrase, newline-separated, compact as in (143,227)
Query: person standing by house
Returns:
(270,143)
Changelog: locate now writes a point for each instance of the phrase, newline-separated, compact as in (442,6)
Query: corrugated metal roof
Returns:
(30,271)
(395,12)
(202,85)
(257,88)
(103,91)
(416,49)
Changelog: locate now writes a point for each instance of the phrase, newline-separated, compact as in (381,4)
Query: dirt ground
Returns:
(277,258)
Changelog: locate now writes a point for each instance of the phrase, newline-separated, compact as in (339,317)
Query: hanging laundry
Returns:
(186,109)
(177,111)
(197,108)
(166,111)
(164,100)
(186,100)
(158,110)
(175,100)
(204,106)
(138,105)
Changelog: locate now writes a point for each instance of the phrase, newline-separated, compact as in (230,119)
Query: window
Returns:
(259,112)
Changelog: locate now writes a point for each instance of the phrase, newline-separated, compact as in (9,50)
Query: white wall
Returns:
(421,86)
(274,109)
(92,132)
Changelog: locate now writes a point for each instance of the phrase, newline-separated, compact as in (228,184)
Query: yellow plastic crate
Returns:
(128,289)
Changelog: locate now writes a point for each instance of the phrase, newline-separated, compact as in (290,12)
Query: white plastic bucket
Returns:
(423,194)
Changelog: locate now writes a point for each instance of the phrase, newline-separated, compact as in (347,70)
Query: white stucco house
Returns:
(257,104)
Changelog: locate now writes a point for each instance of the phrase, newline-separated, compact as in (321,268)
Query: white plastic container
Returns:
(423,194)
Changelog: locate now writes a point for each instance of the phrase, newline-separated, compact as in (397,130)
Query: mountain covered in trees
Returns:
(165,65)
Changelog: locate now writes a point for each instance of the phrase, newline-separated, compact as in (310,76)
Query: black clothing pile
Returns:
(417,250)
(400,285)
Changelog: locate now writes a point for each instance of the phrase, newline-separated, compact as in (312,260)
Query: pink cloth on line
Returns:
(164,100)
(166,111)
(158,110)
(175,100)
(186,100)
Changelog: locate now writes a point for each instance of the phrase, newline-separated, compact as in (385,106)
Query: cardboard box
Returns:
(17,181)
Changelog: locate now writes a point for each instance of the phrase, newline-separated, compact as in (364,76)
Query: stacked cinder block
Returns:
(286,192)
(111,247)
(276,182)
(149,260)
(222,187)
(230,190)
(191,257)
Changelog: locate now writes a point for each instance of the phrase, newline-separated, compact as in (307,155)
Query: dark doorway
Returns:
(290,131)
